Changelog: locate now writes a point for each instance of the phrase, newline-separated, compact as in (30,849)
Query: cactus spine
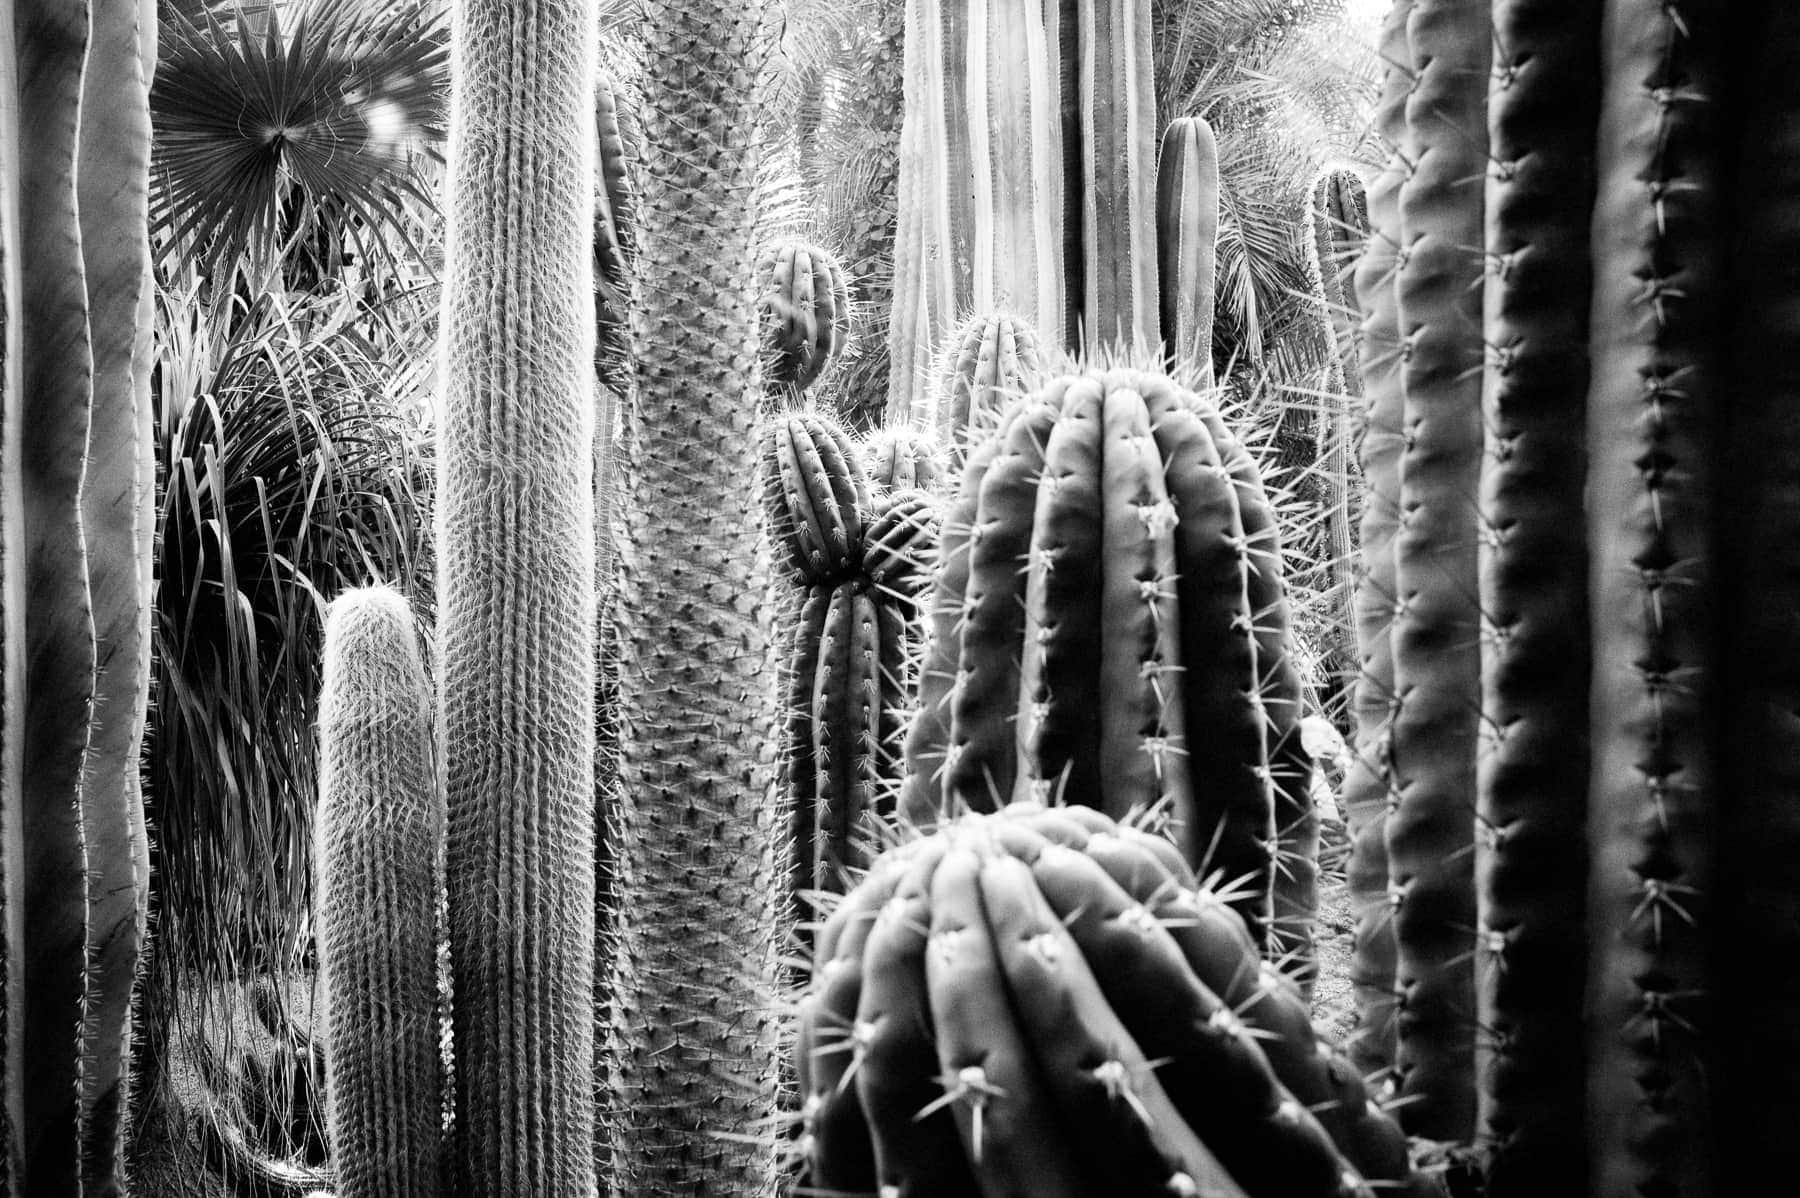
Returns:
(74,515)
(378,866)
(694,977)
(516,585)
(1141,648)
(1187,232)
(988,1005)
(805,310)
(1532,791)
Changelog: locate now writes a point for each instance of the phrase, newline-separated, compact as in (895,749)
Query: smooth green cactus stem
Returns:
(1437,620)
(519,742)
(378,866)
(1531,872)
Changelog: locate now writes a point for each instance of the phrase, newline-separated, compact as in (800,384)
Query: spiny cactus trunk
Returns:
(1369,784)
(1437,621)
(1187,234)
(1532,795)
(695,1019)
(516,594)
(75,91)
(1653,416)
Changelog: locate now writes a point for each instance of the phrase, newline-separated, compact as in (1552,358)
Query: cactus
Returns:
(695,972)
(1338,220)
(1140,658)
(378,867)
(903,458)
(1369,788)
(1041,1001)
(518,439)
(1532,783)
(987,364)
(805,308)
(1187,232)
(853,565)
(74,517)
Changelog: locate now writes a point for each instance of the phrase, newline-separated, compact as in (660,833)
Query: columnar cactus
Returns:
(805,306)
(515,537)
(75,524)
(1139,658)
(854,563)
(378,868)
(902,458)
(1338,227)
(982,212)
(1369,787)
(988,363)
(1632,800)
(1532,792)
(1042,1001)
(696,969)
(1187,233)
(1028,179)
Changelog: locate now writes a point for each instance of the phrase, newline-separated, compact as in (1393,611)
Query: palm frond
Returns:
(312,133)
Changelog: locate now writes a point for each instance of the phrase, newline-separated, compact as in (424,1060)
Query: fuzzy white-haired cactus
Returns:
(378,868)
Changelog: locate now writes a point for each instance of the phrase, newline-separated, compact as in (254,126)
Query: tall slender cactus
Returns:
(516,594)
(695,1023)
(1532,793)
(74,513)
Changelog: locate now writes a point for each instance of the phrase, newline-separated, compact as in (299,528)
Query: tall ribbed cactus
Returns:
(75,469)
(516,613)
(1532,794)
(1042,1001)
(1338,227)
(694,978)
(1140,656)
(1369,788)
(378,868)
(1187,233)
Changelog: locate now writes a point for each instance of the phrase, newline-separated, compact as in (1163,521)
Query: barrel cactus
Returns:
(1139,658)
(1043,1001)
(805,312)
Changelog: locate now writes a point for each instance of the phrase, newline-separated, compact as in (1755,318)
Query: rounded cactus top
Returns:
(804,301)
(990,361)
(815,494)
